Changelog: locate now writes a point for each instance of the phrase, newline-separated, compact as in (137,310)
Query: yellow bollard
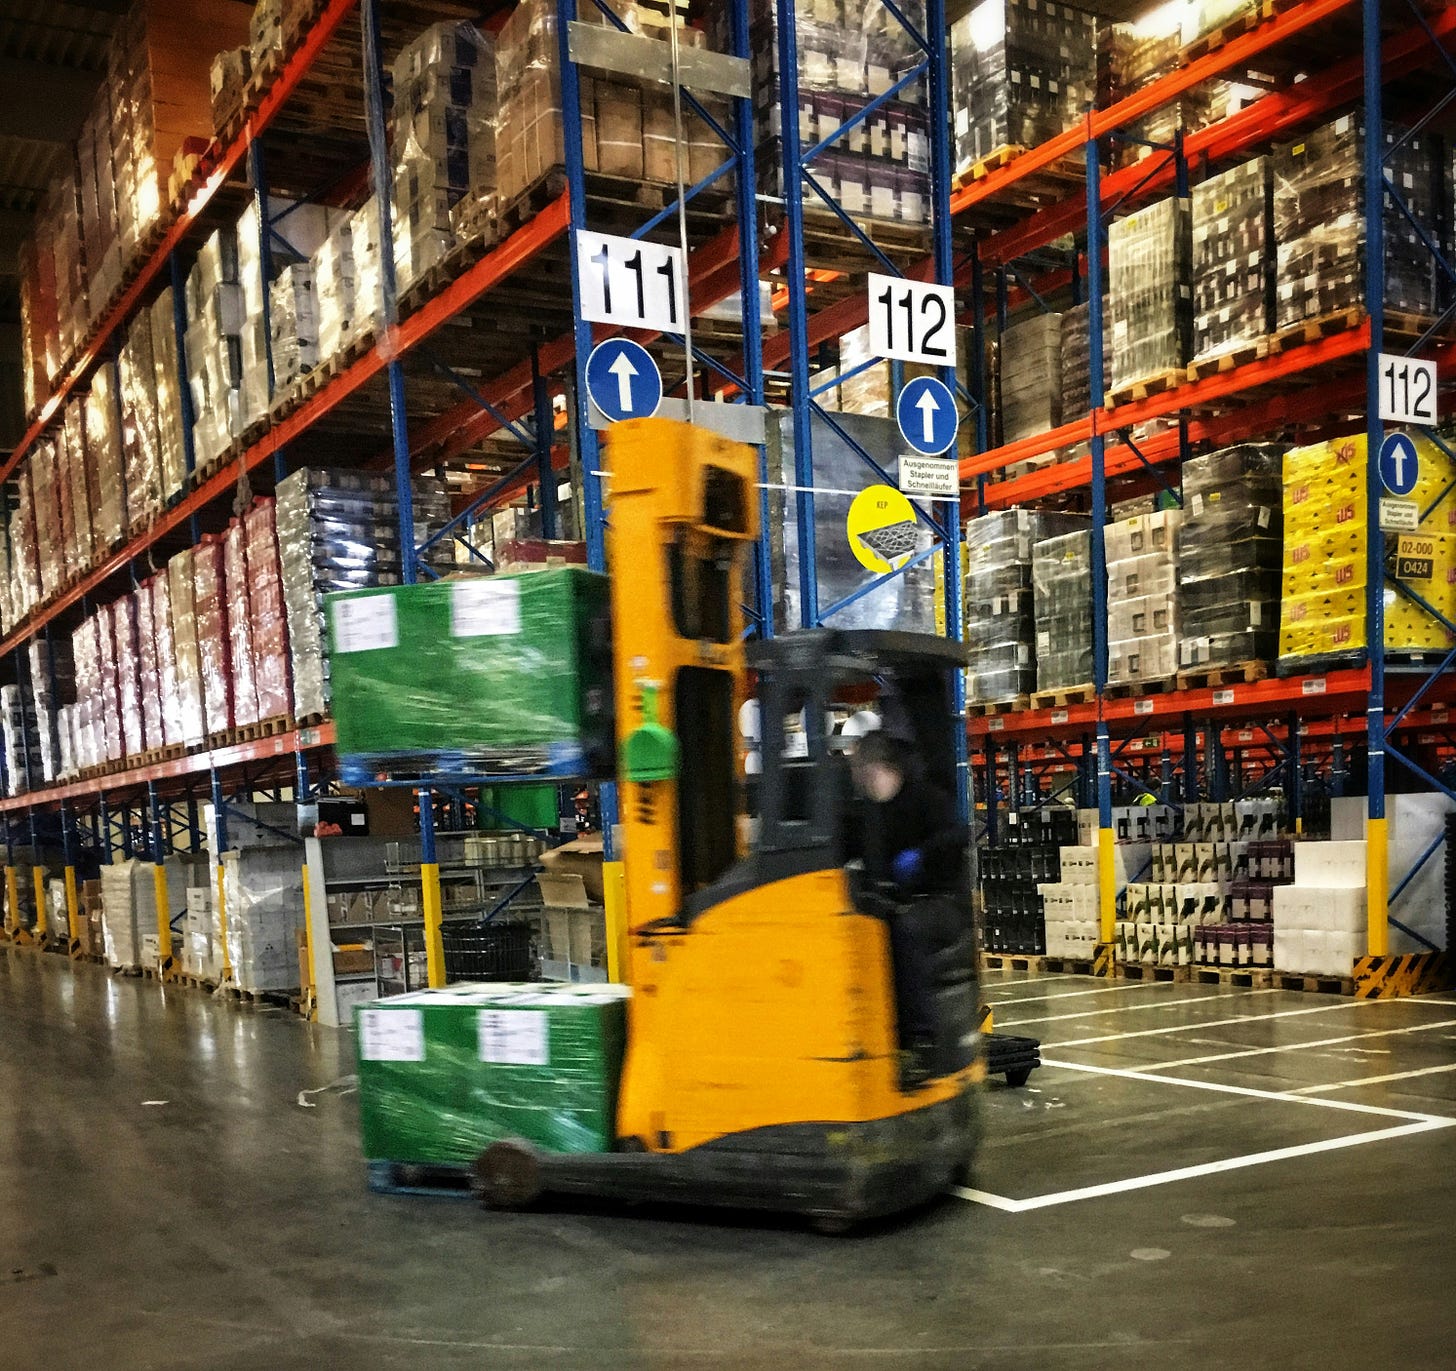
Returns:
(12,904)
(430,903)
(42,917)
(614,878)
(73,911)
(1377,882)
(1107,885)
(166,966)
(226,974)
(306,990)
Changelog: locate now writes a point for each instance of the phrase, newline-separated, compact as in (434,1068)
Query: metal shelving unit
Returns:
(1287,728)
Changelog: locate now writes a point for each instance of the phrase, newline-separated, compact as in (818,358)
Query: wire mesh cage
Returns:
(488,952)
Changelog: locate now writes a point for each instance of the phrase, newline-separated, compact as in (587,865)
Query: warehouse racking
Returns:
(441,401)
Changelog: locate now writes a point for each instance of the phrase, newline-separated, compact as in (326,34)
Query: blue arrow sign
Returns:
(926,413)
(623,380)
(1400,467)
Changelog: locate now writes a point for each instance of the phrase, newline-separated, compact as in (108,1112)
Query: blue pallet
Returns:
(437,1180)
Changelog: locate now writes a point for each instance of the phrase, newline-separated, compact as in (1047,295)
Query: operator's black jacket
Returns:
(922,816)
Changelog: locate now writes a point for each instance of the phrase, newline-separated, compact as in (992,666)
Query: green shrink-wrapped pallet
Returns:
(508,675)
(445,1073)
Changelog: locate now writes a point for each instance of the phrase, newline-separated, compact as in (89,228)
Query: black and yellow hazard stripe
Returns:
(1408,973)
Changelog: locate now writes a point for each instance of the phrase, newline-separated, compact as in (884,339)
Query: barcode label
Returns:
(514,1037)
(1223,697)
(1314,686)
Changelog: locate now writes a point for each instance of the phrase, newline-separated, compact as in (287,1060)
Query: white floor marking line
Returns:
(1254,1092)
(1076,994)
(1375,1080)
(1278,1154)
(1299,1047)
(1133,1008)
(1212,1023)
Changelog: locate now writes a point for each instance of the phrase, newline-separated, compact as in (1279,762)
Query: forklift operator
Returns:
(911,843)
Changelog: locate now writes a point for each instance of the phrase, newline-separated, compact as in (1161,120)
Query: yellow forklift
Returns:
(763,1065)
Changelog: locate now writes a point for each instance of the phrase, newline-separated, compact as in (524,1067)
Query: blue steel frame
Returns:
(797,173)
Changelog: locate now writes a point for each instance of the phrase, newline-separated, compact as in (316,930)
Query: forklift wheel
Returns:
(507,1176)
(1019,1077)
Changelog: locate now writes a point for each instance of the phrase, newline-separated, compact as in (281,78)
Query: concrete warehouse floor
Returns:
(183,1189)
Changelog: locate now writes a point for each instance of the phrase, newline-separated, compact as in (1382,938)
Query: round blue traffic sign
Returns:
(926,413)
(623,380)
(1400,466)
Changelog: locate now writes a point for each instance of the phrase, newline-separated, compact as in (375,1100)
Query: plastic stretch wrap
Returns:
(1148,257)
(104,461)
(185,649)
(848,53)
(1000,616)
(47,517)
(52,674)
(529,139)
(1324,576)
(269,622)
(1061,573)
(1233,259)
(24,564)
(128,680)
(1021,73)
(445,1073)
(166,372)
(7,601)
(128,909)
(141,444)
(17,735)
(169,705)
(1319,221)
(336,287)
(210,609)
(905,601)
(113,739)
(1076,360)
(444,140)
(83,653)
(503,673)
(263,887)
(241,656)
(1031,392)
(73,434)
(215,316)
(148,668)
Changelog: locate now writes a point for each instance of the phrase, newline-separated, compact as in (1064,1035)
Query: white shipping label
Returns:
(515,1037)
(365,623)
(391,1035)
(486,607)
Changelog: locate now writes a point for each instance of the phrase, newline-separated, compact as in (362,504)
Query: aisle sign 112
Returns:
(630,283)
(912,321)
(1407,390)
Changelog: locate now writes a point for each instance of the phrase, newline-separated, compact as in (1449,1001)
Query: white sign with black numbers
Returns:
(515,1037)
(391,1035)
(628,282)
(486,607)
(1407,390)
(912,321)
(365,623)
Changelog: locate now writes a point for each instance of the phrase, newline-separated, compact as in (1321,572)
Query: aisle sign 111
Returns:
(630,283)
(912,321)
(1407,390)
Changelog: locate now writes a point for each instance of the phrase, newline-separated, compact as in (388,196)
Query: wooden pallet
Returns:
(278,999)
(1052,181)
(1131,690)
(981,709)
(1308,331)
(1253,351)
(1236,27)
(128,971)
(1418,325)
(197,982)
(1159,383)
(1318,985)
(1142,971)
(1243,977)
(1214,677)
(1009,962)
(1060,699)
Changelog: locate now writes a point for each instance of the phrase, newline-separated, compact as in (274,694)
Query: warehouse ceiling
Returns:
(52,57)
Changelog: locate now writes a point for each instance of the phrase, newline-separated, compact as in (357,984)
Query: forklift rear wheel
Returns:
(832,1225)
(1016,1079)
(507,1176)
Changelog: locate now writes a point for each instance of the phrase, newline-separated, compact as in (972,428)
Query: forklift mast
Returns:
(683,517)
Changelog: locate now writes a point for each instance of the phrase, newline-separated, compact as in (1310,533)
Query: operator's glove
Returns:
(907,866)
